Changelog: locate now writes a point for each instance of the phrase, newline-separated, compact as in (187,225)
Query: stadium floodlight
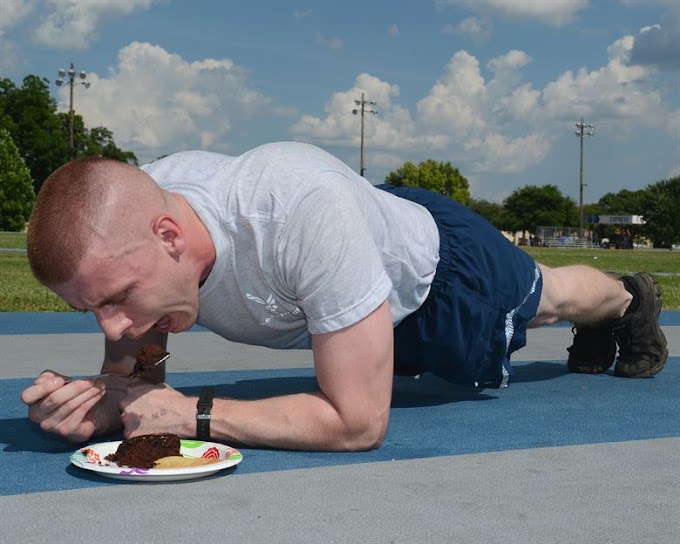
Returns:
(582,129)
(71,81)
(364,107)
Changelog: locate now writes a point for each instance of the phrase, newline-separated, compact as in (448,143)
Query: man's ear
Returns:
(170,234)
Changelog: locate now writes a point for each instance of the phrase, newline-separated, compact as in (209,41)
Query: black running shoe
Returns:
(642,343)
(593,350)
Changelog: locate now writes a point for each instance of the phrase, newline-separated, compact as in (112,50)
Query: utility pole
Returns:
(582,130)
(71,82)
(363,110)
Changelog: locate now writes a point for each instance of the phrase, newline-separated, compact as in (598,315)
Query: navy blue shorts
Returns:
(484,293)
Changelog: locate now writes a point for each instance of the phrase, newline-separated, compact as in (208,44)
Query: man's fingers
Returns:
(64,410)
(44,385)
(79,425)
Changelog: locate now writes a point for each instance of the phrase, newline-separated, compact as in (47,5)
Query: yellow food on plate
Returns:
(177,461)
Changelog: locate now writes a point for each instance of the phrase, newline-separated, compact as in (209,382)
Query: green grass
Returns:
(20,292)
(13,240)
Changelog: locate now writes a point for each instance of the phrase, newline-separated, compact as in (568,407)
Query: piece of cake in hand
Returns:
(142,451)
(147,357)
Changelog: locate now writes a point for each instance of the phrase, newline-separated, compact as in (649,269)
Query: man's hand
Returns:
(75,410)
(157,408)
(79,409)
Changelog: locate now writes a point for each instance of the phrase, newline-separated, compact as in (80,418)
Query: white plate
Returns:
(93,458)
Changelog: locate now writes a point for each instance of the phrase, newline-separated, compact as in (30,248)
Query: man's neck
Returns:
(202,248)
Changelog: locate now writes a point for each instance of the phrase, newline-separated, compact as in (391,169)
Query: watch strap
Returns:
(203,413)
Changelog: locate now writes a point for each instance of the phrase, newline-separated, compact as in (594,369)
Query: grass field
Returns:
(20,292)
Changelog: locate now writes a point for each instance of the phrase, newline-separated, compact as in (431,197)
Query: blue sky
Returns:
(492,86)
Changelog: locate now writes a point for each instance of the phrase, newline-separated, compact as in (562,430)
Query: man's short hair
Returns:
(60,228)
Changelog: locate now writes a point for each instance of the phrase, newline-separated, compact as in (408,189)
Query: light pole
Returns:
(71,82)
(362,104)
(582,130)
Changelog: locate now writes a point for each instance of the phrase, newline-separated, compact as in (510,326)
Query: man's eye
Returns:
(120,299)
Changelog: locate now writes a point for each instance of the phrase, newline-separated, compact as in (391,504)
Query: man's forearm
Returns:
(304,421)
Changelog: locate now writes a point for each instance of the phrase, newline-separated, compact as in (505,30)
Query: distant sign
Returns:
(621,220)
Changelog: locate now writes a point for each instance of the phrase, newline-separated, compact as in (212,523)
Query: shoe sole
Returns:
(588,369)
(653,371)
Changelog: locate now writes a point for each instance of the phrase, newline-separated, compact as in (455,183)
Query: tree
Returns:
(98,142)
(660,211)
(29,114)
(491,211)
(41,133)
(533,206)
(624,202)
(432,175)
(16,186)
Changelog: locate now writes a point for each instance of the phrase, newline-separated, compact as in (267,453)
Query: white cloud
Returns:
(73,24)
(549,12)
(510,61)
(522,104)
(474,28)
(156,102)
(13,11)
(391,135)
(331,43)
(455,99)
(617,91)
(393,31)
(489,122)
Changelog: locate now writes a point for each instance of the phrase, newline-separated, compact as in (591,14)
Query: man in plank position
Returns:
(286,247)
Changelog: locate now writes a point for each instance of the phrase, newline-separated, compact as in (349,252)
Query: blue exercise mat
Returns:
(545,406)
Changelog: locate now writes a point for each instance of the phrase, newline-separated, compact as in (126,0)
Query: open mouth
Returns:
(163,324)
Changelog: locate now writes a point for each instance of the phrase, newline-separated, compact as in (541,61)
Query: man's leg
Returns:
(606,311)
(580,294)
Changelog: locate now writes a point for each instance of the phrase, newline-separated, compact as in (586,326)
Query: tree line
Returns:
(533,206)
(34,141)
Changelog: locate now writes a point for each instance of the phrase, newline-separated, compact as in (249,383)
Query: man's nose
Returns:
(113,323)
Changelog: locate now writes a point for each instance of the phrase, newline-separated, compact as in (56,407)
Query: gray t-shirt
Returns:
(304,245)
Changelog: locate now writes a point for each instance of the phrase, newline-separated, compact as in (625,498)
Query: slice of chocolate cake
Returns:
(147,357)
(142,451)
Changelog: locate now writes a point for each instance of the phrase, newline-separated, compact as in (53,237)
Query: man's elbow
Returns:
(367,434)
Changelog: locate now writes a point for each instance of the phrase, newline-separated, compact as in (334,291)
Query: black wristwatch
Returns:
(203,408)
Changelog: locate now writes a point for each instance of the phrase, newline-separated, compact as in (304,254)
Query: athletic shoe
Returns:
(642,344)
(593,350)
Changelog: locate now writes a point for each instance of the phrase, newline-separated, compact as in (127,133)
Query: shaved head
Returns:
(87,202)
